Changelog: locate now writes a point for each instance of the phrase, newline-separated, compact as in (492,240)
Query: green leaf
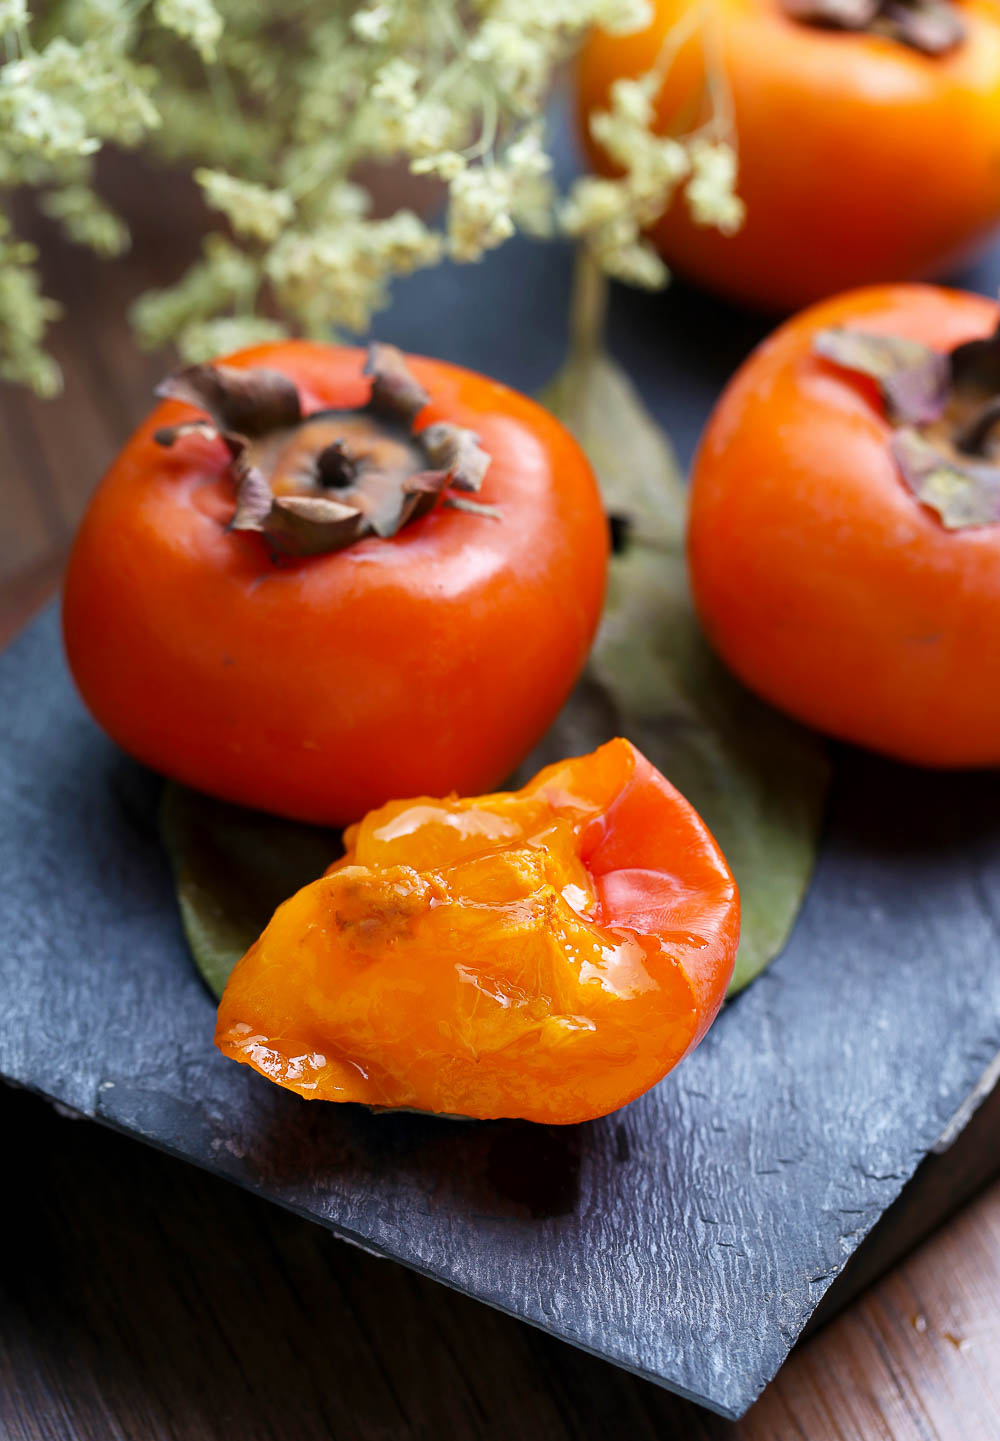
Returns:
(232,868)
(759,780)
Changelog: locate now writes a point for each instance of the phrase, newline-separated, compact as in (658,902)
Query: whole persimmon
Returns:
(844,537)
(284,593)
(547,954)
(868,136)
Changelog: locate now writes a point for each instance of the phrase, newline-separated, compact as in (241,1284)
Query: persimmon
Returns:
(285,594)
(866,135)
(844,536)
(547,954)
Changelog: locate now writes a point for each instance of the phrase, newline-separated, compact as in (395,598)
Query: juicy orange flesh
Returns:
(461,959)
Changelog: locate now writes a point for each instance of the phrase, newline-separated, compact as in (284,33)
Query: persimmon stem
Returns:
(336,467)
(972,437)
(305,485)
(943,407)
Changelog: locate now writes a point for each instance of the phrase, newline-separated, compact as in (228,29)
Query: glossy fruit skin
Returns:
(860,160)
(319,687)
(548,954)
(818,576)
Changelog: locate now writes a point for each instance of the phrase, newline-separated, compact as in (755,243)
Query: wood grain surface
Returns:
(146,1300)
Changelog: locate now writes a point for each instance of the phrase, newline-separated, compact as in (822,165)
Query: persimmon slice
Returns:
(548,953)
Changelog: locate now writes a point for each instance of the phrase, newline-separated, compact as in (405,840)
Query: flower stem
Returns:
(588,309)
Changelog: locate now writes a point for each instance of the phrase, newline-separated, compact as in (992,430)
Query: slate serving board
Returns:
(689,1237)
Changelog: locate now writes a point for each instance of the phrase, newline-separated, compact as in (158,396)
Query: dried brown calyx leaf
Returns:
(931,26)
(317,483)
(248,402)
(945,409)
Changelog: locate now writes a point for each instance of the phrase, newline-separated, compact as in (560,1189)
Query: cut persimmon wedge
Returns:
(548,953)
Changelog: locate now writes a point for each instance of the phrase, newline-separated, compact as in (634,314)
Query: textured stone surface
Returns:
(689,1237)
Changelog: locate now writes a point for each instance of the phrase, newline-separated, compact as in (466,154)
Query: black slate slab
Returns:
(689,1237)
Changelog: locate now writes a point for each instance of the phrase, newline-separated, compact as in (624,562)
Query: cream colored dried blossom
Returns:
(392,102)
(637,263)
(205,339)
(446,165)
(405,242)
(86,219)
(532,190)
(13,14)
(710,193)
(286,115)
(334,277)
(343,200)
(395,85)
(69,99)
(632,101)
(592,203)
(250,209)
(432,126)
(516,59)
(609,216)
(196,20)
(479,217)
(223,279)
(24,317)
(39,121)
(372,24)
(622,17)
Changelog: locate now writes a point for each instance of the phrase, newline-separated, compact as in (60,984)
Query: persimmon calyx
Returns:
(931,26)
(311,484)
(944,407)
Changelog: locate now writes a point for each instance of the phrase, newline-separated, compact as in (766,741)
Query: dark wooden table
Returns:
(144,1300)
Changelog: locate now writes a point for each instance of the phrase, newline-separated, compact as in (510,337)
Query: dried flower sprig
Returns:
(279,110)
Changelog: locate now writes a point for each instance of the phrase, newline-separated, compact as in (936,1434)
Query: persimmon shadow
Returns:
(891,809)
(494,1169)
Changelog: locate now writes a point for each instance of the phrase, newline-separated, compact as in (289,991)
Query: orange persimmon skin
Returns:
(319,687)
(818,576)
(860,160)
(547,954)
